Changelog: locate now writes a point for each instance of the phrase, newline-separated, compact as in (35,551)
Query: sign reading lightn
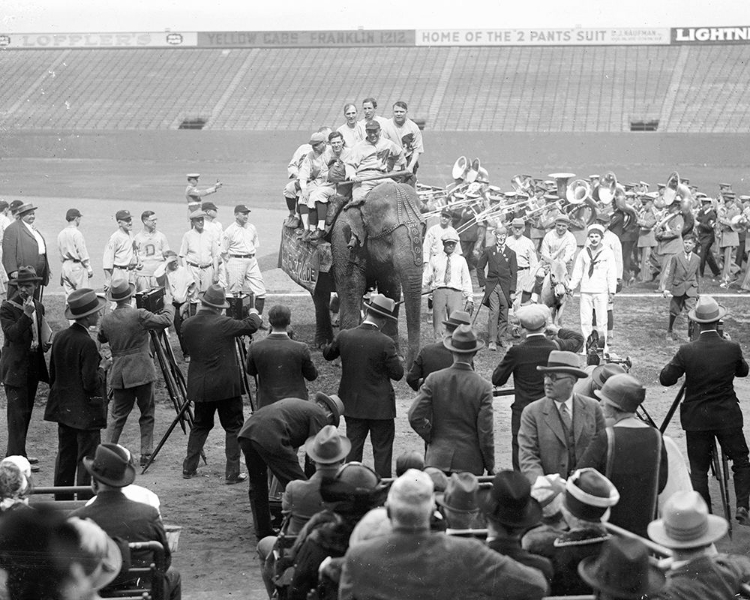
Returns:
(711,35)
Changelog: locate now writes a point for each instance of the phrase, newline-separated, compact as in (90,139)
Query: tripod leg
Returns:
(718,472)
(165,437)
(242,357)
(168,379)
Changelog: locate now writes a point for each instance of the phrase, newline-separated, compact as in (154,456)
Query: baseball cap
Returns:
(208,206)
(69,216)
(372,126)
(241,208)
(3,205)
(123,215)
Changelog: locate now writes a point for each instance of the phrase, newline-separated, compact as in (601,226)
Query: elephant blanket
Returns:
(303,262)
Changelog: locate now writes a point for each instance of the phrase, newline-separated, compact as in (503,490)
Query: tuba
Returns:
(607,188)
(675,188)
(578,192)
(562,180)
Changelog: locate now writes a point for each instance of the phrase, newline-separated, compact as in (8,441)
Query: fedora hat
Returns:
(215,297)
(82,303)
(458,317)
(461,494)
(97,545)
(685,523)
(463,340)
(121,289)
(24,208)
(589,495)
(26,275)
(509,501)
(112,465)
(335,405)
(382,305)
(603,372)
(328,446)
(622,570)
(560,361)
(707,310)
(622,391)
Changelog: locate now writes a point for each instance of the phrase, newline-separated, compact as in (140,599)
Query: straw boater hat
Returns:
(685,523)
(589,495)
(121,289)
(328,446)
(622,391)
(112,465)
(82,303)
(215,297)
(707,310)
(382,305)
(463,340)
(560,361)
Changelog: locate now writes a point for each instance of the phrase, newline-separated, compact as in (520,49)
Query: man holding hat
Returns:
(120,259)
(521,361)
(112,468)
(556,430)
(412,562)
(453,411)
(193,195)
(214,383)
(23,245)
(239,244)
(711,408)
(199,252)
(368,364)
(26,338)
(688,529)
(77,389)
(133,372)
(595,271)
(76,266)
(499,285)
(447,277)
(435,356)
(150,246)
(269,439)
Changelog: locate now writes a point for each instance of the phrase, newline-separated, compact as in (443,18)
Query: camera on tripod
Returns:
(152,300)
(240,305)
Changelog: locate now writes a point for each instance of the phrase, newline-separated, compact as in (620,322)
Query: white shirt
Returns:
(433,242)
(568,405)
(238,239)
(460,278)
(37,236)
(559,248)
(603,279)
(525,251)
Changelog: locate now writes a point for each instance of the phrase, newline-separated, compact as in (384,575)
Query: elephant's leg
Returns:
(321,299)
(349,277)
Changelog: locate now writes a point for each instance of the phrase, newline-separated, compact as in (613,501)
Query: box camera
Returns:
(152,300)
(239,306)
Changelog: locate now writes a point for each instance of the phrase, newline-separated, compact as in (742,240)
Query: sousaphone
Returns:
(677,189)
(460,168)
(578,192)
(562,180)
(607,188)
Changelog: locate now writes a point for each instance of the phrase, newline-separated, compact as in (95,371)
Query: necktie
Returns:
(565,416)
(594,260)
(447,278)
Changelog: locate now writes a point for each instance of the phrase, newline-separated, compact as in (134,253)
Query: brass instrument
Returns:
(523,184)
(668,224)
(578,192)
(584,213)
(676,188)
(562,180)
(607,188)
(460,168)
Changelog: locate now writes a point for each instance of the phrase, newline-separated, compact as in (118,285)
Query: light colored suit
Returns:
(542,442)
(453,414)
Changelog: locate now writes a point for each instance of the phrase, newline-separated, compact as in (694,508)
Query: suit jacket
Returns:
(682,278)
(705,225)
(76,397)
(126,329)
(521,361)
(434,566)
(214,372)
(453,414)
(542,445)
(710,365)
(707,578)
(368,363)
(502,270)
(20,249)
(284,424)
(431,358)
(132,521)
(282,365)
(18,363)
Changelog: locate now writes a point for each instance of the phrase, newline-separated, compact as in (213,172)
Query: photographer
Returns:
(179,283)
(133,373)
(711,409)
(214,378)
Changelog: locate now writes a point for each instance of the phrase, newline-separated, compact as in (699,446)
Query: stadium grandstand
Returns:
(671,88)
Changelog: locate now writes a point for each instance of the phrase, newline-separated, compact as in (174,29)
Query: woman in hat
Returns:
(629,452)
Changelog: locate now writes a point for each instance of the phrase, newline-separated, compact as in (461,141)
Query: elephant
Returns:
(391,260)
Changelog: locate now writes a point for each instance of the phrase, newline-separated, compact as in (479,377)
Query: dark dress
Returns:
(637,467)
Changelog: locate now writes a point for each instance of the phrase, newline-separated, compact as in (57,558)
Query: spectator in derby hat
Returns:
(711,409)
(239,245)
(150,246)
(453,411)
(199,252)
(499,285)
(435,356)
(448,280)
(589,495)
(557,429)
(133,374)
(179,282)
(213,382)
(269,440)
(411,562)
(510,511)
(622,571)
(120,260)
(22,365)
(76,265)
(77,389)
(629,452)
(459,504)
(24,245)
(281,364)
(112,468)
(368,364)
(698,571)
